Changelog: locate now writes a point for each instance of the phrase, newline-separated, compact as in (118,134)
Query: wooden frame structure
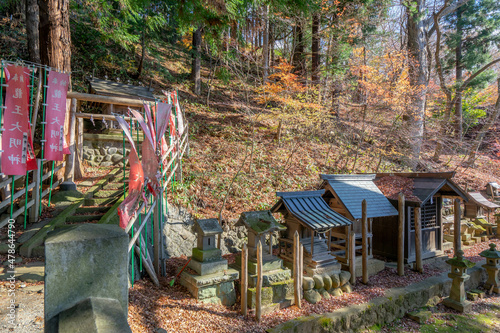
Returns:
(428,192)
(345,194)
(308,214)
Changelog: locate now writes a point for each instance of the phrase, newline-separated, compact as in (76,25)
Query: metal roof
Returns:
(480,200)
(112,88)
(352,189)
(310,208)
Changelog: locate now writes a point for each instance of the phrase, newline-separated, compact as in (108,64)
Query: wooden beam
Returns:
(312,242)
(418,240)
(296,268)
(105,99)
(352,257)
(244,279)
(457,246)
(69,172)
(401,234)
(301,273)
(364,235)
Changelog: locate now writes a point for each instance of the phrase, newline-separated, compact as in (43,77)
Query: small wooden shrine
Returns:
(277,279)
(479,206)
(345,194)
(307,213)
(424,190)
(213,281)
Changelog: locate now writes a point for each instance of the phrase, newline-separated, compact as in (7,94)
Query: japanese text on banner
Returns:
(17,156)
(55,144)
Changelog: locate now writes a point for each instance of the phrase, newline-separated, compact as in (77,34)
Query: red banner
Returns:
(18,156)
(55,116)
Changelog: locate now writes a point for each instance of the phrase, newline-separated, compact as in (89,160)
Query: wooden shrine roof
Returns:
(351,190)
(310,209)
(427,185)
(112,88)
(480,200)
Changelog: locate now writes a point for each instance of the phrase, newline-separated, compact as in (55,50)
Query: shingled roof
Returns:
(480,200)
(310,209)
(352,189)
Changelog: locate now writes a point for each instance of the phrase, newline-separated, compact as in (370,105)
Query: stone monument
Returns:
(213,281)
(492,266)
(457,299)
(277,282)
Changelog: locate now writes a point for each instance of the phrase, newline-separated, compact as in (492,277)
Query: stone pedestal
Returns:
(457,299)
(83,261)
(213,281)
(277,284)
(492,267)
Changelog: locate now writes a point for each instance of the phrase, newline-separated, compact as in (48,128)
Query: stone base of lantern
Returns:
(217,288)
(463,306)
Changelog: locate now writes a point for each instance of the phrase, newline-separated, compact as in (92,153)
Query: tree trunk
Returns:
(298,48)
(55,36)
(315,49)
(272,37)
(418,80)
(458,73)
(486,127)
(143,53)
(196,55)
(32,35)
(265,48)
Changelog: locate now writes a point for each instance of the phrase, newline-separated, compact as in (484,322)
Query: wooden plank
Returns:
(36,208)
(105,99)
(296,268)
(457,244)
(301,273)
(418,241)
(364,231)
(258,291)
(18,194)
(147,264)
(54,185)
(138,231)
(352,257)
(244,279)
(401,234)
(16,213)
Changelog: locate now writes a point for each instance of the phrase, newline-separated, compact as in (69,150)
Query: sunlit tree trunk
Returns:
(265,48)
(32,19)
(196,62)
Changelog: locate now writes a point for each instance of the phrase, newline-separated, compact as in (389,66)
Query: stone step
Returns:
(83,218)
(114,186)
(100,209)
(100,201)
(108,193)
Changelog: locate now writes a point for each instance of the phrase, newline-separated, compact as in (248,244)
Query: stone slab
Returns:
(95,315)
(459,306)
(79,265)
(229,274)
(270,277)
(213,288)
(207,255)
(374,266)
(206,268)
(420,316)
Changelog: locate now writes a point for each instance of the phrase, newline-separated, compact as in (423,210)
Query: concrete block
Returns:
(83,261)
(94,315)
(205,268)
(207,255)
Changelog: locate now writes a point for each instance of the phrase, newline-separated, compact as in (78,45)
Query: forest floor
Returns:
(175,310)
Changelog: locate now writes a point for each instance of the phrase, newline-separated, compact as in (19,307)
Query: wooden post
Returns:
(80,134)
(418,240)
(352,255)
(364,235)
(271,243)
(401,234)
(330,240)
(35,209)
(296,268)
(457,229)
(258,292)
(244,279)
(156,237)
(301,273)
(69,172)
(312,242)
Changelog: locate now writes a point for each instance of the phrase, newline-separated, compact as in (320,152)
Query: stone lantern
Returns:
(492,266)
(457,299)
